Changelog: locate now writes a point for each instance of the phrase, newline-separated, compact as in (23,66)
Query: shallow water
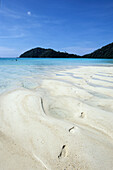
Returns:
(28,73)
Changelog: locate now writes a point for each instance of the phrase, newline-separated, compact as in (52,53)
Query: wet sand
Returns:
(66,123)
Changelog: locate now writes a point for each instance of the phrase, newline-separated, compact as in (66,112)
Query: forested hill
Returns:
(46,53)
(104,52)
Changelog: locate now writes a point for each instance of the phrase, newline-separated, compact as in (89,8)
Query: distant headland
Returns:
(104,52)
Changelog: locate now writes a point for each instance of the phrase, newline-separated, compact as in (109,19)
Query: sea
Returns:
(28,73)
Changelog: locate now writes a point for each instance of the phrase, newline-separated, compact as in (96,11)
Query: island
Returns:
(104,52)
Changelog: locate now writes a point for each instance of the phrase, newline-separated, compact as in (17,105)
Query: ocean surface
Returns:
(28,73)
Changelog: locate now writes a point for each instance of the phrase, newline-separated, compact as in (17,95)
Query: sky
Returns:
(74,26)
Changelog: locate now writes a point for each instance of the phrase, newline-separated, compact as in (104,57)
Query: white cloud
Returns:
(78,50)
(10,13)
(8,52)
(5,49)
(11,36)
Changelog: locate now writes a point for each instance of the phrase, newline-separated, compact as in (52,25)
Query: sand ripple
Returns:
(65,123)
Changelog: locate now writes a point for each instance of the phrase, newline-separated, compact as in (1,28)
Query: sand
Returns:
(66,123)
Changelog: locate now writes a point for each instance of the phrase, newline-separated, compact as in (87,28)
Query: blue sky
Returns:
(75,26)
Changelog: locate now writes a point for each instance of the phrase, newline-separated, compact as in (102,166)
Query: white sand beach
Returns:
(65,123)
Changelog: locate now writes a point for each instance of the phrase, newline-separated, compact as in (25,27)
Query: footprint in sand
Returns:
(72,130)
(82,115)
(63,152)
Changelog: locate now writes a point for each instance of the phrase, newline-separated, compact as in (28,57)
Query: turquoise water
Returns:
(29,73)
(55,62)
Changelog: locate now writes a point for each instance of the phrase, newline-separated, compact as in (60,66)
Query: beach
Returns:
(64,122)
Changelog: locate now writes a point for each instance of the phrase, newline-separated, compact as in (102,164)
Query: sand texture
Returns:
(66,123)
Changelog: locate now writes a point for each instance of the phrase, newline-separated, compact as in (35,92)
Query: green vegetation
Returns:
(104,52)
(46,53)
